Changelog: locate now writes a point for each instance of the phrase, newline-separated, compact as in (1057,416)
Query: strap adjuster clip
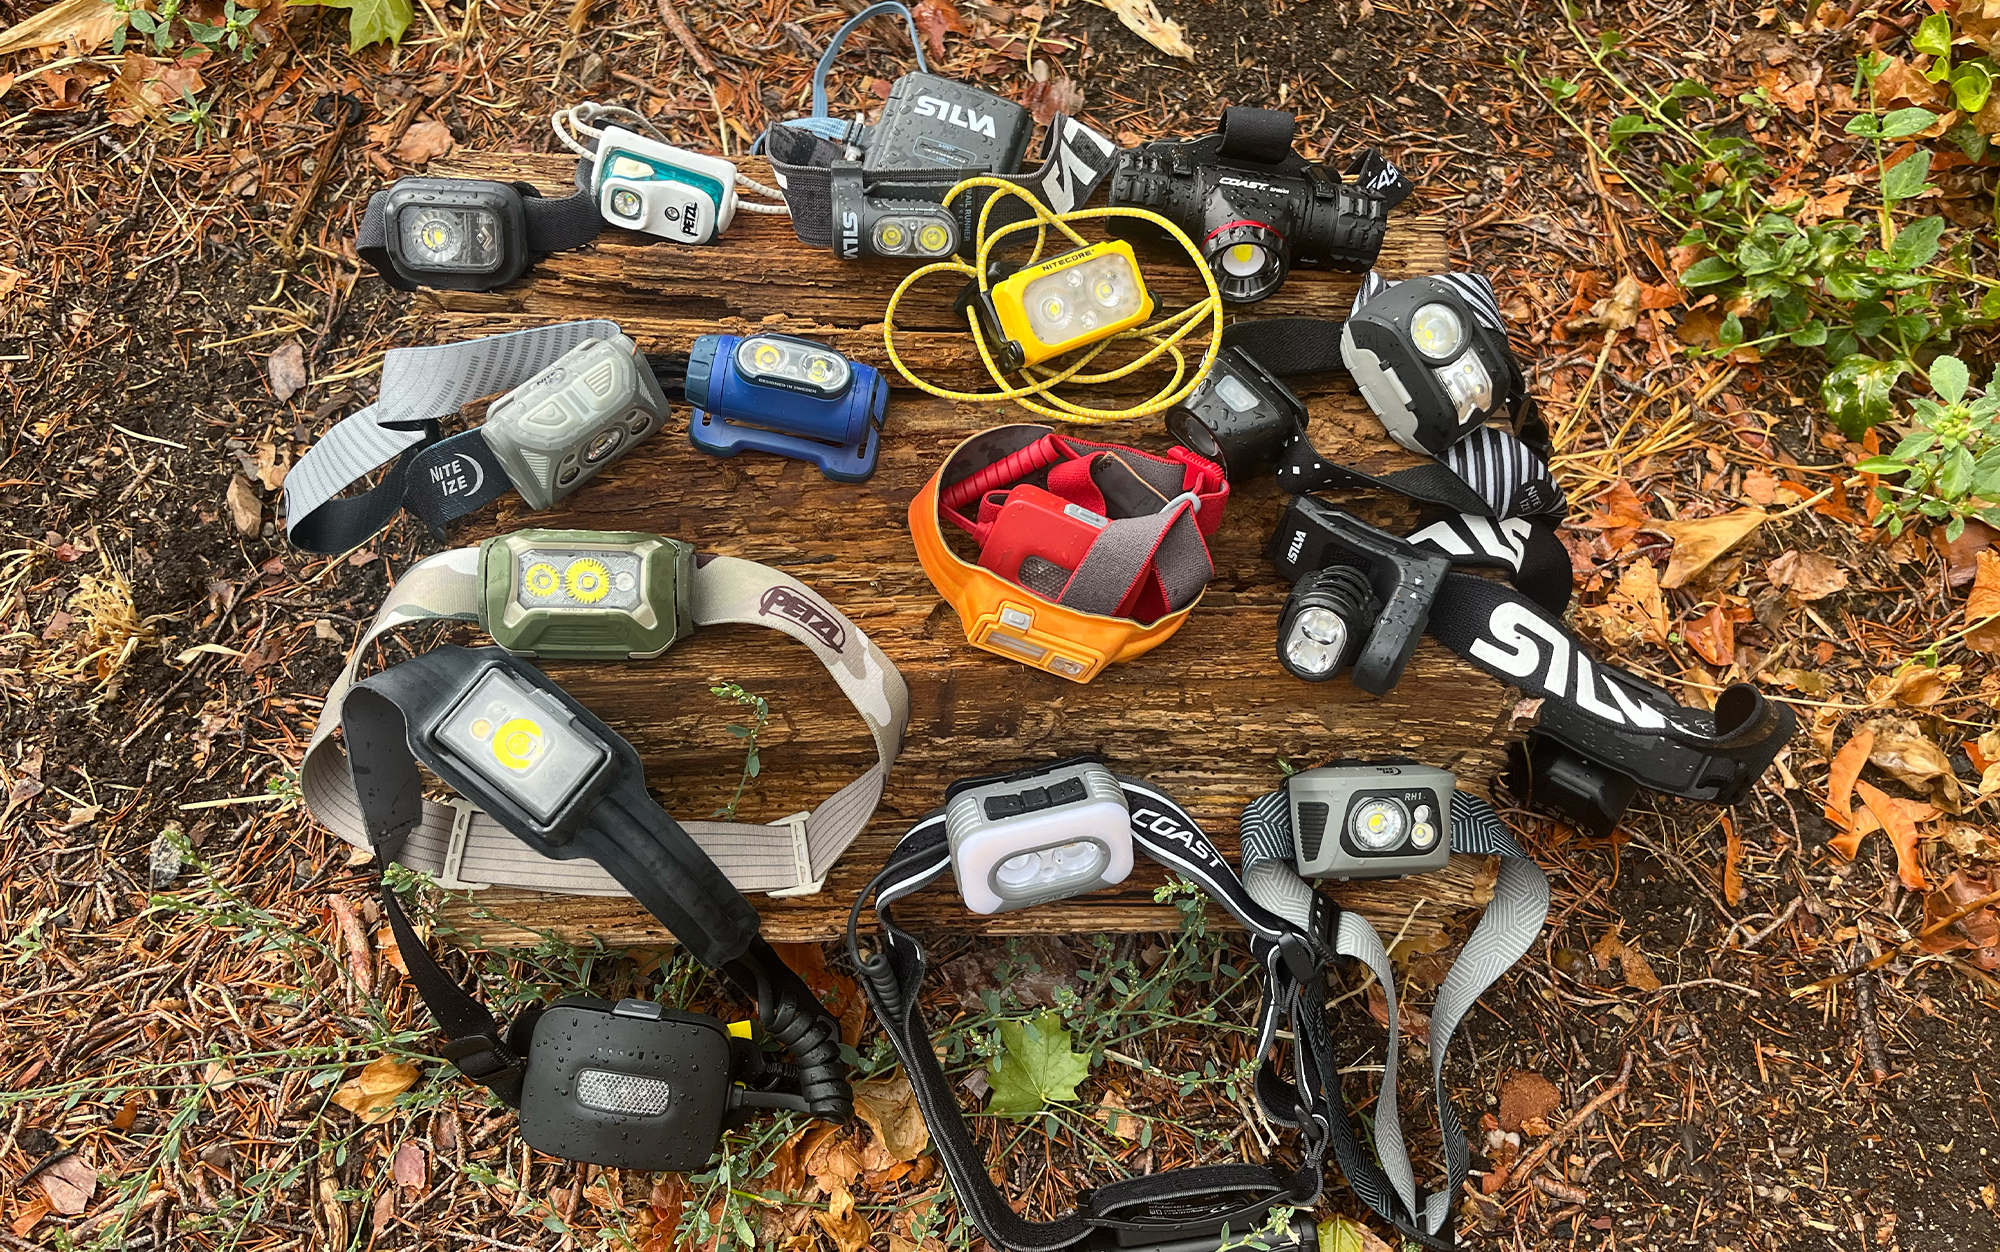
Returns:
(1300,960)
(482,1058)
(462,811)
(801,860)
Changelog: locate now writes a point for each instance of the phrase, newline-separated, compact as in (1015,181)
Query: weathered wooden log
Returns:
(1208,716)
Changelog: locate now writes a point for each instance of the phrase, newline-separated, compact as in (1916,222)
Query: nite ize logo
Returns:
(460,476)
(957,115)
(787,603)
(1525,646)
(1168,826)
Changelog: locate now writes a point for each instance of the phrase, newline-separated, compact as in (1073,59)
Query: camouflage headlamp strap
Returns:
(464,848)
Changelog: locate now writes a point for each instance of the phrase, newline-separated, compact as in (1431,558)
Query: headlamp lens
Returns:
(451,238)
(633,1095)
(1317,642)
(1468,384)
(626,203)
(1231,391)
(1243,260)
(550,578)
(796,365)
(934,240)
(1378,824)
(1107,281)
(1437,331)
(1049,868)
(522,743)
(890,236)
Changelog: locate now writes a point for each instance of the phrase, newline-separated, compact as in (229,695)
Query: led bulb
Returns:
(1468,384)
(550,578)
(934,240)
(1243,260)
(890,237)
(1437,331)
(1378,824)
(452,238)
(626,203)
(521,741)
(1317,642)
(794,364)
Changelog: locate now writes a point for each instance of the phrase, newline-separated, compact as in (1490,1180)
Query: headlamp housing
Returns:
(1240,417)
(668,192)
(1425,364)
(586,594)
(559,429)
(1401,581)
(1037,835)
(789,396)
(1069,302)
(1370,819)
(506,737)
(456,234)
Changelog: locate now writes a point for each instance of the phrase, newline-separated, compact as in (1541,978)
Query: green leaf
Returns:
(1902,123)
(1707,272)
(1730,333)
(1971,83)
(1953,529)
(1956,480)
(143,21)
(1865,126)
(1035,1067)
(1917,243)
(1689,87)
(370,21)
(1810,335)
(753,764)
(1631,124)
(1950,378)
(1881,465)
(1856,392)
(1934,35)
(741,732)
(1905,179)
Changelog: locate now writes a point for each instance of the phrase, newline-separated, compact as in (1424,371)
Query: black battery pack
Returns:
(934,123)
(629,1085)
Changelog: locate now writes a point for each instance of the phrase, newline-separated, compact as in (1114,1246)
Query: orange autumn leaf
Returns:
(1712,635)
(1983,605)
(1732,863)
(1902,834)
(1847,765)
(1698,543)
(371,1094)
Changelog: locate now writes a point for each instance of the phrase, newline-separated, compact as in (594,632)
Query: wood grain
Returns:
(1208,716)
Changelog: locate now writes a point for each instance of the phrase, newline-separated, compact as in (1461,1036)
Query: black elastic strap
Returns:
(1257,136)
(451,478)
(554,224)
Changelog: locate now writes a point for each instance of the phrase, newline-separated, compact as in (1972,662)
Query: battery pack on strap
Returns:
(1185,1210)
(1386,1181)
(461,845)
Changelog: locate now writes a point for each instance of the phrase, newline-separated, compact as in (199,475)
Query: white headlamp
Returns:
(1037,835)
(645,185)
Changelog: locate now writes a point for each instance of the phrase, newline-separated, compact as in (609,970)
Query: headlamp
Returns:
(868,222)
(645,185)
(559,429)
(1433,364)
(1360,594)
(789,396)
(467,234)
(1037,835)
(1367,819)
(1240,416)
(586,593)
(1070,301)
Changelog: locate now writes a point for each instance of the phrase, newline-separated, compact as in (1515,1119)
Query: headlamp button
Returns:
(1068,791)
(1035,799)
(1019,619)
(645,1009)
(998,807)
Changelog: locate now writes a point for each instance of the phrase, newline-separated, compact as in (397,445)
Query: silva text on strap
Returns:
(614,595)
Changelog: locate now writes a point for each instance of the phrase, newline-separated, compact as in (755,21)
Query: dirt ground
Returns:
(178,1018)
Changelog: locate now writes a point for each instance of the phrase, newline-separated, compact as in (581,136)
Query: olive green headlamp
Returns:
(586,594)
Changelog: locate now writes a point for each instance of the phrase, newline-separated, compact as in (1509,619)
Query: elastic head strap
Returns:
(825,66)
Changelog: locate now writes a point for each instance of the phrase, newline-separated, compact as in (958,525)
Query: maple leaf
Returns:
(1035,1067)
(370,21)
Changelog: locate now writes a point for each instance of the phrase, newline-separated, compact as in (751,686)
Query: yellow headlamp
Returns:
(1075,299)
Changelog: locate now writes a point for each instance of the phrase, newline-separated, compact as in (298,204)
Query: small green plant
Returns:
(753,765)
(154,24)
(1872,299)
(233,33)
(197,114)
(1949,463)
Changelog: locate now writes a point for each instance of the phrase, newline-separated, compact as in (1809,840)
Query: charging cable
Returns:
(577,129)
(1036,392)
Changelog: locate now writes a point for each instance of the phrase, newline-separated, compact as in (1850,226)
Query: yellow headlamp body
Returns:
(1072,300)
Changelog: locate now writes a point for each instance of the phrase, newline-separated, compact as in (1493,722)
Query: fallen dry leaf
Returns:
(1732,862)
(1114,1115)
(411,1168)
(1914,759)
(1915,686)
(1637,970)
(246,509)
(83,24)
(1051,96)
(1526,1097)
(69,1184)
(1615,312)
(835,990)
(371,1094)
(1760,486)
(890,1109)
(1806,576)
(1847,765)
(832,1159)
(1903,83)
(848,1229)
(287,369)
(934,18)
(1983,604)
(1143,18)
(423,141)
(1961,555)
(1902,834)
(1621,514)
(1698,543)
(1712,635)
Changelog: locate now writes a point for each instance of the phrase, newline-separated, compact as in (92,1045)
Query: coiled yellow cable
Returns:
(1035,393)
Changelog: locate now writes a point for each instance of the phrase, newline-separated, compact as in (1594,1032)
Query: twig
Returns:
(1707,982)
(1774,927)
(1527,1164)
(1871,1030)
(686,36)
(1874,963)
(1560,1190)
(347,111)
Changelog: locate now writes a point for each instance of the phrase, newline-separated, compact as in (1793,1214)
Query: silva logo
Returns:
(788,603)
(850,236)
(1526,647)
(1298,545)
(957,115)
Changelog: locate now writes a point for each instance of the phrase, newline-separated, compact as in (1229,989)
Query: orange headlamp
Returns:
(1149,559)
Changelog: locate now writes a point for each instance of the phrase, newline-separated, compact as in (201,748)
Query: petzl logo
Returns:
(1526,647)
(787,603)
(460,476)
(850,236)
(957,115)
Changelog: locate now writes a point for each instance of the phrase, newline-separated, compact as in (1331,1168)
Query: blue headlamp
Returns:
(791,396)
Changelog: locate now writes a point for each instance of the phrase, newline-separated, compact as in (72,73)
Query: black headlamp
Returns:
(1359,595)
(468,234)
(1240,417)
(1431,359)
(628,1085)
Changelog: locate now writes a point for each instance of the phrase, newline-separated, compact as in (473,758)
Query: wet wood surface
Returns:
(1208,716)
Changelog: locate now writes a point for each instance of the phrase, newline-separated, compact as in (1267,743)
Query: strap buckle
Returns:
(462,812)
(484,1059)
(801,860)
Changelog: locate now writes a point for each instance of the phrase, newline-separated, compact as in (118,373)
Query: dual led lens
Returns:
(522,742)
(1083,301)
(792,363)
(556,578)
(908,235)
(1031,873)
(1438,332)
(1317,643)
(451,238)
(1384,823)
